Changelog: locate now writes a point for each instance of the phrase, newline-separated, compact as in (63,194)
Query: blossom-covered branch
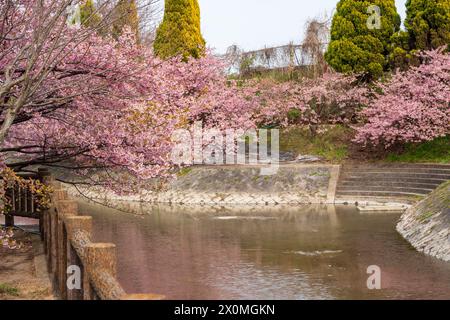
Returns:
(414,106)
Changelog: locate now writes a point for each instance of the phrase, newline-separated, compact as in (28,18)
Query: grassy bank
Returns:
(334,144)
(436,151)
(330,143)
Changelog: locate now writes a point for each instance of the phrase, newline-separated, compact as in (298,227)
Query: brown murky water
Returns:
(311,252)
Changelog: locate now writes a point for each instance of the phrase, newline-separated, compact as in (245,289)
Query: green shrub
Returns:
(294,115)
(331,142)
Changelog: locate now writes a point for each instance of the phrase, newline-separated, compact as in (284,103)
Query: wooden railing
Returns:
(71,253)
(22,201)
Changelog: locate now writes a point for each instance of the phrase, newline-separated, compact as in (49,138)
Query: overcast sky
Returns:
(252,24)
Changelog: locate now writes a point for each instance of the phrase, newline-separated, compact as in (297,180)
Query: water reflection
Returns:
(310,252)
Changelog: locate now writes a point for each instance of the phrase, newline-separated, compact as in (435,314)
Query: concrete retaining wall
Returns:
(292,184)
(243,185)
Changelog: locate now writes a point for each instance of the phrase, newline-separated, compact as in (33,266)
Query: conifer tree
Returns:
(428,23)
(125,15)
(179,32)
(88,15)
(358,46)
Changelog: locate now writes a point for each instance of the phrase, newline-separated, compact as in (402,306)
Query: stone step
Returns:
(377,194)
(376,200)
(398,170)
(389,183)
(397,166)
(393,176)
(383,189)
(411,173)
(381,180)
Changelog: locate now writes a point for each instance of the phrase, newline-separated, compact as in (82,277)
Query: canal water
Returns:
(310,252)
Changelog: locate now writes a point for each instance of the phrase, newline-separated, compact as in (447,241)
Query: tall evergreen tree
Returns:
(428,23)
(356,46)
(179,32)
(88,15)
(125,15)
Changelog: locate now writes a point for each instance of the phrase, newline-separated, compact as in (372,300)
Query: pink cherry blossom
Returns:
(94,102)
(412,107)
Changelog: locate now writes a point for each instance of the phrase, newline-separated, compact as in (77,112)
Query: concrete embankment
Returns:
(426,225)
(241,185)
(291,184)
(382,185)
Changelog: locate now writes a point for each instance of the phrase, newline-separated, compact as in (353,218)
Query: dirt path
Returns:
(23,274)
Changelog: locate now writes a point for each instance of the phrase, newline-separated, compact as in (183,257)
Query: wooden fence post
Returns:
(143,296)
(62,256)
(9,220)
(67,242)
(52,244)
(45,177)
(48,236)
(101,267)
(102,256)
(67,206)
(72,225)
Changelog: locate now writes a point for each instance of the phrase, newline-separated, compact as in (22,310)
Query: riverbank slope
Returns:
(426,225)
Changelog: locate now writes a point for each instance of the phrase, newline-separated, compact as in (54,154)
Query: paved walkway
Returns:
(23,272)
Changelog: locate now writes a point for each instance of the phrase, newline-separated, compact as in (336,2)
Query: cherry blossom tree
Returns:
(73,99)
(37,49)
(414,106)
(330,99)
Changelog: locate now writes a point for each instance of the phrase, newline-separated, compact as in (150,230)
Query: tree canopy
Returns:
(75,99)
(413,106)
(179,32)
(357,47)
(428,23)
(88,14)
(125,15)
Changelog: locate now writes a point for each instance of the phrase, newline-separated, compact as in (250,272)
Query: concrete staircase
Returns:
(367,183)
